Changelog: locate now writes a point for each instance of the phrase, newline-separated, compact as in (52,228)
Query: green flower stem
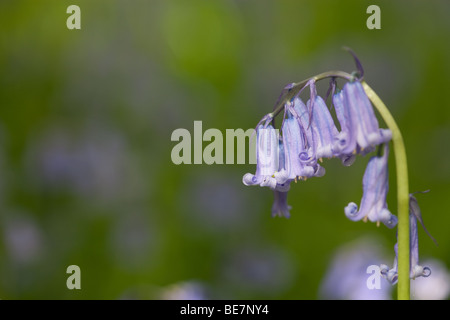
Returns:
(402,194)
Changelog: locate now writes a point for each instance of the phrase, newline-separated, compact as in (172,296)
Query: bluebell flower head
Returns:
(416,270)
(267,158)
(375,187)
(360,132)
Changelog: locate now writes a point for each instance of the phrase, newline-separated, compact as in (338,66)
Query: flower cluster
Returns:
(309,134)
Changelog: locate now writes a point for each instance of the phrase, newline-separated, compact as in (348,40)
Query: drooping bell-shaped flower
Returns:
(267,158)
(301,113)
(375,187)
(283,184)
(360,132)
(280,206)
(415,269)
(318,125)
(323,127)
(297,162)
(342,138)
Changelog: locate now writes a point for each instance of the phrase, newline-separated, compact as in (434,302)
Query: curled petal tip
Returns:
(388,219)
(392,277)
(351,210)
(419,271)
(305,158)
(384,269)
(319,171)
(249,179)
(426,272)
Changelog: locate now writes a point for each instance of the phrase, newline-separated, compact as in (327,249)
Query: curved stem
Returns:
(402,194)
(296,87)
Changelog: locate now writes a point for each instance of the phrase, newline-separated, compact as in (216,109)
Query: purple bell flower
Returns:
(324,129)
(283,184)
(343,136)
(308,156)
(267,158)
(375,188)
(296,157)
(280,206)
(416,270)
(360,132)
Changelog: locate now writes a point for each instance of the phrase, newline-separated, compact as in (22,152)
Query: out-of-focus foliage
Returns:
(86,118)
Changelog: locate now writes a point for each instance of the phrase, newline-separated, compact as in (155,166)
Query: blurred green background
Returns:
(86,118)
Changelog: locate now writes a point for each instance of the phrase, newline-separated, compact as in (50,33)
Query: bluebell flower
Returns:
(341,139)
(280,206)
(270,160)
(324,129)
(416,270)
(267,158)
(299,110)
(360,132)
(283,185)
(318,125)
(375,187)
(296,159)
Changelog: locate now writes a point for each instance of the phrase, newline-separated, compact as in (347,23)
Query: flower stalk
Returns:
(403,291)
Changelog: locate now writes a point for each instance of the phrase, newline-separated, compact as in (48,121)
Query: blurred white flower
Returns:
(189,290)
(434,287)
